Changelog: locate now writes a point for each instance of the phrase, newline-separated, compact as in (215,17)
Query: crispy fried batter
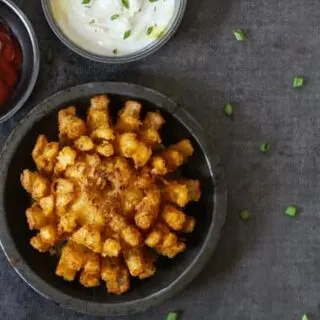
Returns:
(103,195)
(149,133)
(129,117)
(70,126)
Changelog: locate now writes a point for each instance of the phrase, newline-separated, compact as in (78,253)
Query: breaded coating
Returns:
(173,217)
(36,217)
(176,193)
(90,275)
(130,198)
(66,157)
(84,143)
(105,149)
(45,154)
(149,132)
(189,225)
(38,244)
(70,126)
(194,189)
(148,209)
(131,236)
(140,262)
(47,205)
(35,184)
(98,113)
(116,275)
(108,197)
(103,133)
(164,242)
(129,117)
(49,234)
(172,158)
(88,237)
(71,261)
(111,248)
(68,223)
(130,147)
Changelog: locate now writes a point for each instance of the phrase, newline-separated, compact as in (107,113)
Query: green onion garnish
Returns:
(298,82)
(126,34)
(86,1)
(149,31)
(115,51)
(125,3)
(265,147)
(239,34)
(228,109)
(153,0)
(172,316)
(115,16)
(305,317)
(291,211)
(245,214)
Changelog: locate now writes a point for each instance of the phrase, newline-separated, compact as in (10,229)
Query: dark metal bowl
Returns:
(23,31)
(38,270)
(180,10)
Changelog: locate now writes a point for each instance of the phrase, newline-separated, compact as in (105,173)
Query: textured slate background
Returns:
(268,268)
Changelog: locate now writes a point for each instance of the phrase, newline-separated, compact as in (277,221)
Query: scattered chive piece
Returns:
(239,34)
(153,0)
(228,109)
(126,34)
(86,1)
(49,55)
(298,82)
(115,51)
(149,31)
(245,214)
(125,3)
(172,316)
(265,147)
(305,317)
(291,211)
(114,17)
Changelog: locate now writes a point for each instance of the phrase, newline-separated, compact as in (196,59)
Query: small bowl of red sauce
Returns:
(19,59)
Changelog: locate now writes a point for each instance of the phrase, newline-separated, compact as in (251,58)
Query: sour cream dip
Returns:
(114,27)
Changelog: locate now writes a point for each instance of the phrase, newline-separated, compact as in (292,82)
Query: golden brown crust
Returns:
(102,194)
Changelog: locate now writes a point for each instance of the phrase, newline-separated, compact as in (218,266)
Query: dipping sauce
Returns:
(10,63)
(114,27)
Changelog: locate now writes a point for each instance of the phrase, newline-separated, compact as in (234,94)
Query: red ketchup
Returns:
(10,63)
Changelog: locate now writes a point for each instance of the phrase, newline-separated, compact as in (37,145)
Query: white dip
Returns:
(113,27)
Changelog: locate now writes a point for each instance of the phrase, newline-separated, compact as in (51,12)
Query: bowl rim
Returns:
(141,54)
(36,61)
(219,199)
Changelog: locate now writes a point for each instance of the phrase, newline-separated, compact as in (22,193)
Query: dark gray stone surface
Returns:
(265,269)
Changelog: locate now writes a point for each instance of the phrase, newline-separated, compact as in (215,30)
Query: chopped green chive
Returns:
(245,214)
(172,316)
(305,317)
(115,51)
(153,0)
(298,82)
(125,3)
(126,34)
(291,211)
(86,1)
(265,147)
(115,16)
(149,31)
(239,34)
(228,109)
